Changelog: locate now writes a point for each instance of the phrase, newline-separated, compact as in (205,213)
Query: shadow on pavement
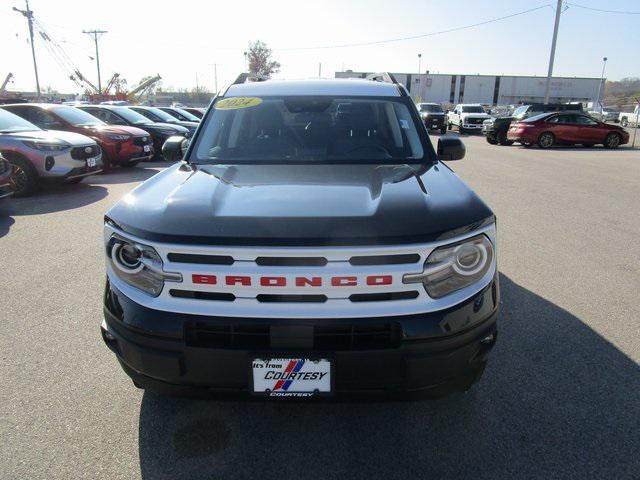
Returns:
(138,173)
(557,401)
(5,221)
(56,198)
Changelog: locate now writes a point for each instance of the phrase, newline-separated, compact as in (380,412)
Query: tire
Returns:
(450,126)
(130,164)
(546,140)
(25,176)
(624,122)
(612,141)
(443,130)
(503,140)
(461,130)
(492,140)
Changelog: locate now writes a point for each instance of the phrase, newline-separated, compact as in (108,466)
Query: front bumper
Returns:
(384,354)
(434,123)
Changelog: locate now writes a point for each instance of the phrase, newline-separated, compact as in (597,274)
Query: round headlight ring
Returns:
(469,258)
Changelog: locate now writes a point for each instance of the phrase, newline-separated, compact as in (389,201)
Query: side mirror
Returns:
(173,148)
(449,148)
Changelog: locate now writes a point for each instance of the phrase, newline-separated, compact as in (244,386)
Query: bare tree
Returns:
(260,62)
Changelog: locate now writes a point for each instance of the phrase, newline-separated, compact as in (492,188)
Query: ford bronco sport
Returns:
(310,241)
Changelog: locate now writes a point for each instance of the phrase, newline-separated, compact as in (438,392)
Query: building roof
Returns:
(330,86)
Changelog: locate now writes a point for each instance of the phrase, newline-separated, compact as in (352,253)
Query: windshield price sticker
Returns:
(237,102)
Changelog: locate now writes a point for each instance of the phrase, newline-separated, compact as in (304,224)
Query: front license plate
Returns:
(291,377)
(147,148)
(91,162)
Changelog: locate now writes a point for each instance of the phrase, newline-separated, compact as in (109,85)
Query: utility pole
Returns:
(215,76)
(95,34)
(604,64)
(553,51)
(320,70)
(419,63)
(28,14)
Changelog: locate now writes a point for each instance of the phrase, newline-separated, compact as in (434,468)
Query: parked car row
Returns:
(62,143)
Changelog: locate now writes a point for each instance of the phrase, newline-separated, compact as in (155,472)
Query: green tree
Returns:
(260,62)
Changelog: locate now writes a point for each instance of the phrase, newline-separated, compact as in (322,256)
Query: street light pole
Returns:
(28,14)
(553,51)
(419,63)
(604,64)
(95,34)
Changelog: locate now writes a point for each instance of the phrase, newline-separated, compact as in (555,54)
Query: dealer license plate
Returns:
(91,162)
(291,377)
(147,148)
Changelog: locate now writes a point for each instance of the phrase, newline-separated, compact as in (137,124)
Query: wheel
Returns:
(624,122)
(130,164)
(492,140)
(25,176)
(546,140)
(450,126)
(461,130)
(612,141)
(503,140)
(443,130)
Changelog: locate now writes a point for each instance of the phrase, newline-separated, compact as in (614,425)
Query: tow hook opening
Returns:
(110,340)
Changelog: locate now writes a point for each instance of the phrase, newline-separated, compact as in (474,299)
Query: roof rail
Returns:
(382,77)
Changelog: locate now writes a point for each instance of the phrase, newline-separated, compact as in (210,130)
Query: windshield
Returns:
(162,115)
(190,117)
(309,129)
(425,107)
(77,117)
(520,111)
(13,123)
(537,117)
(131,116)
(472,109)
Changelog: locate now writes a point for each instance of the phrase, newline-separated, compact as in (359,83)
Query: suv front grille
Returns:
(325,337)
(82,153)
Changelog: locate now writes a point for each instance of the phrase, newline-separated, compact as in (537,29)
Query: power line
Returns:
(413,37)
(620,12)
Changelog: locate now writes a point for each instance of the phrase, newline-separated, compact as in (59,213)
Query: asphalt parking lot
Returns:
(560,398)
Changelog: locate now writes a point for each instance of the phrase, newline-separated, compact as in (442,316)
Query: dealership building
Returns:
(491,89)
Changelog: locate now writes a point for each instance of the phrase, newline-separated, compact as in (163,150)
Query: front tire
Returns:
(503,140)
(546,140)
(612,141)
(25,176)
(492,140)
(443,130)
(624,122)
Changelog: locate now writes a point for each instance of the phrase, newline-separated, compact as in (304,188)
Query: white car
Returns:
(467,117)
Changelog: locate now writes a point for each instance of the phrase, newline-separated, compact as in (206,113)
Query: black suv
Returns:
(496,129)
(309,241)
(433,116)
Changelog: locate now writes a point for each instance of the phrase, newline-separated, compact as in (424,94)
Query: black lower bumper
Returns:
(439,350)
(437,123)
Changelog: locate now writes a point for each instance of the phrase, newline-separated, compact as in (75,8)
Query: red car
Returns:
(566,128)
(121,145)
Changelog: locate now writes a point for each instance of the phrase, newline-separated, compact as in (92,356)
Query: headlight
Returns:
(118,137)
(46,146)
(138,265)
(455,266)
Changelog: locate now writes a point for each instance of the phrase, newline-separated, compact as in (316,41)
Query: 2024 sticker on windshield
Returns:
(237,102)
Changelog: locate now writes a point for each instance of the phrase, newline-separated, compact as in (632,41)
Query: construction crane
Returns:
(141,88)
(6,81)
(112,81)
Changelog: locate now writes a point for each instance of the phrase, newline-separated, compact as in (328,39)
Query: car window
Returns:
(148,114)
(472,109)
(566,118)
(40,117)
(174,114)
(520,111)
(554,119)
(77,117)
(310,129)
(430,108)
(584,120)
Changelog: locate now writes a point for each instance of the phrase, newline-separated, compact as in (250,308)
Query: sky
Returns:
(182,40)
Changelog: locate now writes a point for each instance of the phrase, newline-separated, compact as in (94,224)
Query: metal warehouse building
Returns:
(491,89)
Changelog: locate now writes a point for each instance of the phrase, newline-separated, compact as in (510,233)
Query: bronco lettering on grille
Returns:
(246,281)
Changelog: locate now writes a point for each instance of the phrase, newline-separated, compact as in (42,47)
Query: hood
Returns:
(300,205)
(116,130)
(165,126)
(475,115)
(432,114)
(74,139)
(191,126)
